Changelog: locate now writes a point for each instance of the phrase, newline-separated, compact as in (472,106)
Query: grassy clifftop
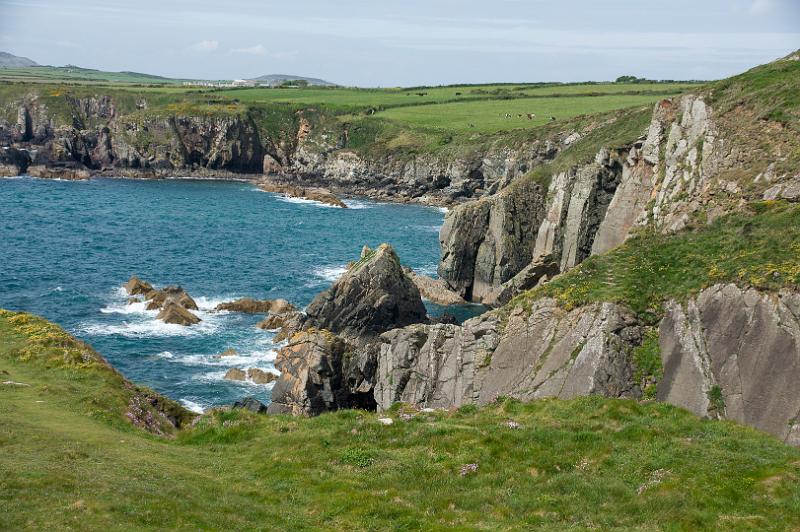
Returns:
(69,462)
(759,246)
(378,121)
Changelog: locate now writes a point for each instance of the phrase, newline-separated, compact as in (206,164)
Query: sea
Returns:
(67,248)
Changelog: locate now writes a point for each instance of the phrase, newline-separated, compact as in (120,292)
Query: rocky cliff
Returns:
(729,353)
(549,352)
(734,353)
(679,170)
(112,135)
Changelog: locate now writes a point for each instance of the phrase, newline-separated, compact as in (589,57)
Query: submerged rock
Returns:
(255,306)
(228,353)
(373,296)
(322,195)
(175,313)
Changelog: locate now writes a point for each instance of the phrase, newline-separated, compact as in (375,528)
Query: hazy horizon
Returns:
(367,43)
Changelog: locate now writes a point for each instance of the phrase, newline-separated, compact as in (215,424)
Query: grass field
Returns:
(489,116)
(70,461)
(45,74)
(450,108)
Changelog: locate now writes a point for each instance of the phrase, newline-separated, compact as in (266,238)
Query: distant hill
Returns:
(8,60)
(278,79)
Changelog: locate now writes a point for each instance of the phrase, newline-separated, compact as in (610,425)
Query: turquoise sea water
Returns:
(66,248)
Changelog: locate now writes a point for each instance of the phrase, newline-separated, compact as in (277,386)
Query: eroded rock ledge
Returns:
(321,195)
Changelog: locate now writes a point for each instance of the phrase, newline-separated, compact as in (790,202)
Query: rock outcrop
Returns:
(735,353)
(321,195)
(663,179)
(13,162)
(274,322)
(173,312)
(172,302)
(136,287)
(259,376)
(549,352)
(486,242)
(69,171)
(434,290)
(158,299)
(252,404)
(255,306)
(532,275)
(373,296)
(311,374)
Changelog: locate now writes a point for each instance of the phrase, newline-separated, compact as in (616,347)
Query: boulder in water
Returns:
(255,306)
(228,353)
(175,313)
(157,298)
(273,322)
(235,374)
(322,195)
(137,287)
(258,376)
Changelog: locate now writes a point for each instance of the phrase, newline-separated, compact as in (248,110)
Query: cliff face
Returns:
(447,176)
(729,353)
(734,353)
(665,178)
(550,352)
(299,146)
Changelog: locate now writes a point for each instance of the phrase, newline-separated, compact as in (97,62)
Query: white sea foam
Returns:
(150,328)
(303,201)
(217,376)
(139,307)
(251,359)
(330,273)
(428,269)
(358,204)
(165,354)
(193,406)
(141,322)
(429,228)
(210,303)
(57,289)
(443,209)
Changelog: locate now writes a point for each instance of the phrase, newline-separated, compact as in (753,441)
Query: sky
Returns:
(406,42)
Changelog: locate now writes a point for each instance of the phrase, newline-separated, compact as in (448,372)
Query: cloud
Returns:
(252,50)
(205,46)
(761,7)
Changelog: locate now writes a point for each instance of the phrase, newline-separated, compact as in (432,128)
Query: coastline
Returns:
(374,194)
